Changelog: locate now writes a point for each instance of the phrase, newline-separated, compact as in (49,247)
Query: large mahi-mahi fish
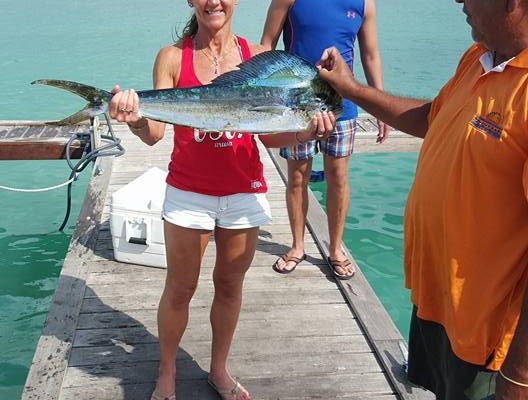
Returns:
(272,92)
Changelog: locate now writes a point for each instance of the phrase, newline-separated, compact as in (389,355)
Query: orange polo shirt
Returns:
(466,220)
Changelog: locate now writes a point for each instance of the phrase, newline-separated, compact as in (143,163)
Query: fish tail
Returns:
(98,100)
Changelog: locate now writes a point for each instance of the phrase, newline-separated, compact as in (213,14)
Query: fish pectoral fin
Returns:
(273,109)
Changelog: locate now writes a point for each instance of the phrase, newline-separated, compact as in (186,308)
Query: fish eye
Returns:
(324,108)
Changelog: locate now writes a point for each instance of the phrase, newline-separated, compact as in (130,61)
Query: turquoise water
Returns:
(379,183)
(102,43)
(31,255)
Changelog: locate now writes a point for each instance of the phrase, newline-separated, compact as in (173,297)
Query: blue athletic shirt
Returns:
(314,25)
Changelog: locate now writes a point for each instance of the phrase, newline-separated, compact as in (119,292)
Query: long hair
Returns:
(190,28)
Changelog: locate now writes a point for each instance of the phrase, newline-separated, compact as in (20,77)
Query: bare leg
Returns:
(184,248)
(337,202)
(235,251)
(297,204)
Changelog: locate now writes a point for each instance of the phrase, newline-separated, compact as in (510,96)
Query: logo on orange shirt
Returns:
(494,117)
(488,125)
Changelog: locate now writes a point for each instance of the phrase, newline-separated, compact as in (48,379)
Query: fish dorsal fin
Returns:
(271,68)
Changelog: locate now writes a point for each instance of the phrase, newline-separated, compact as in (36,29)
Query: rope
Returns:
(112,147)
(38,190)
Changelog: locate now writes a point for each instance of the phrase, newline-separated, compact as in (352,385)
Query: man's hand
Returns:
(333,69)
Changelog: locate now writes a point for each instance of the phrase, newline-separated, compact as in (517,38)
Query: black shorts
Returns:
(433,365)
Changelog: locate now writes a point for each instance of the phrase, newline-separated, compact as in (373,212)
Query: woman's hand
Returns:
(124,106)
(321,126)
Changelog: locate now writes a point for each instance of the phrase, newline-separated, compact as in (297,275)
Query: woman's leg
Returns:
(184,249)
(235,251)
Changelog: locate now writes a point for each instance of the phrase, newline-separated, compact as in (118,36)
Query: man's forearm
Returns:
(405,114)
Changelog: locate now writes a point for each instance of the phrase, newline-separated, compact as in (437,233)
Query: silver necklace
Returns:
(215,60)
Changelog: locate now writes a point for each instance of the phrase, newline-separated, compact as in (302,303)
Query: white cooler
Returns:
(135,220)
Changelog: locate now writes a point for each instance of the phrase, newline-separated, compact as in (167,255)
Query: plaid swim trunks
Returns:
(339,144)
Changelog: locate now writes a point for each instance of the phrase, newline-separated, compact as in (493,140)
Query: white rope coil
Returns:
(37,190)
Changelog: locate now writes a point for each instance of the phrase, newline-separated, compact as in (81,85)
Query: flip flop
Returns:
(157,396)
(230,393)
(340,264)
(286,258)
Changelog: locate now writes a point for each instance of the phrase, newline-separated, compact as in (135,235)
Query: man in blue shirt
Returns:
(308,27)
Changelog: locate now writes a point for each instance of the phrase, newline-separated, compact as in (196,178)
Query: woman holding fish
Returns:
(215,184)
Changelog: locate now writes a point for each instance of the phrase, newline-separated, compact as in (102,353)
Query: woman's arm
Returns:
(124,106)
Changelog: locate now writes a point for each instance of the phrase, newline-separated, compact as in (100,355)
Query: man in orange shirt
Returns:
(466,220)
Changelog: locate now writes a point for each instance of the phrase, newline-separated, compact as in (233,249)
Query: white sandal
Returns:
(231,393)
(157,396)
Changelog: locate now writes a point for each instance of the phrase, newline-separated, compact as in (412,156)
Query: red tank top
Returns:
(213,163)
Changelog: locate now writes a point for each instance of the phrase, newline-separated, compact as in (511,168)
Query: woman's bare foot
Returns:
(228,388)
(165,386)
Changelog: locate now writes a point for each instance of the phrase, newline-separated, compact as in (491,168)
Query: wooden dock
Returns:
(300,336)
(25,140)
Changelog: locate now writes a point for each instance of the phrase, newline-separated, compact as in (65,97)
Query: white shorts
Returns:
(200,211)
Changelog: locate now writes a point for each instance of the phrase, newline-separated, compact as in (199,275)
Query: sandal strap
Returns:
(294,259)
(344,263)
(232,393)
(157,396)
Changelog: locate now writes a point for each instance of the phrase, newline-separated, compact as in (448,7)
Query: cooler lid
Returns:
(146,193)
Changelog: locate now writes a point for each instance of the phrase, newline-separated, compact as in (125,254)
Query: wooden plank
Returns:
(297,388)
(38,150)
(51,357)
(106,249)
(98,329)
(268,297)
(329,313)
(133,331)
(151,287)
(313,345)
(245,366)
(263,261)
(39,142)
(157,275)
